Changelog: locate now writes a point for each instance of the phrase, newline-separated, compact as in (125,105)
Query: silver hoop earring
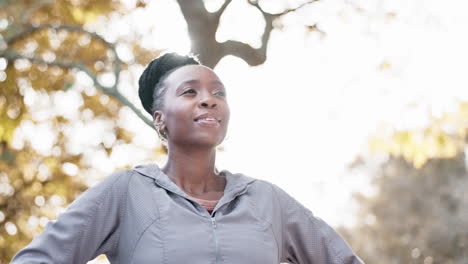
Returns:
(162,133)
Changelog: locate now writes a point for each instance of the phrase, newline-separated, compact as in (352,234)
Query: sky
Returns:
(301,118)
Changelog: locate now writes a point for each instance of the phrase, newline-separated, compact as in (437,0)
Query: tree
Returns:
(202,28)
(50,50)
(418,212)
(44,50)
(418,216)
(445,137)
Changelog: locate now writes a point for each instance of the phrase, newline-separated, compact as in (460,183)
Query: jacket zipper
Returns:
(213,219)
(213,223)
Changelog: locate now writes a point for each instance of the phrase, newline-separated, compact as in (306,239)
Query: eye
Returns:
(220,93)
(189,91)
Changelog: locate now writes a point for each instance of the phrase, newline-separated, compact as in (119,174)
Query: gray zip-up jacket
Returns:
(140,216)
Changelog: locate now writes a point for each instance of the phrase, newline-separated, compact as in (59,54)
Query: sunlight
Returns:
(311,108)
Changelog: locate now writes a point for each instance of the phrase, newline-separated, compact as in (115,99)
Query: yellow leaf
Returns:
(83,16)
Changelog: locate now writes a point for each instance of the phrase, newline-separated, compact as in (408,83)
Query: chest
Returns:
(184,233)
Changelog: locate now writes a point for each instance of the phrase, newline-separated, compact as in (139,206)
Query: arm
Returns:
(308,239)
(88,227)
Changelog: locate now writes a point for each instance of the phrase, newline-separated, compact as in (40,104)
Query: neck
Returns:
(193,170)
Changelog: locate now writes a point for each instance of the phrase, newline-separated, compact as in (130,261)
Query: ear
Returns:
(158,118)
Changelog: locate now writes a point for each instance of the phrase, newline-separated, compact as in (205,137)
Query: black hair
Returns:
(151,83)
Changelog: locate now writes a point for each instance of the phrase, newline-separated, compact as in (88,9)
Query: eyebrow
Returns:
(217,82)
(197,82)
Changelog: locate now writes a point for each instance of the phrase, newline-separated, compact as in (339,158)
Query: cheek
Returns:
(227,114)
(177,119)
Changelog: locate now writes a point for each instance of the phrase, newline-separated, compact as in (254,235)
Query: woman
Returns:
(187,211)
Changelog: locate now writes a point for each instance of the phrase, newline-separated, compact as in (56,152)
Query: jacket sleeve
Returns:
(308,239)
(89,227)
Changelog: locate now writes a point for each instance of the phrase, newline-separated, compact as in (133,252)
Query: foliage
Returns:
(51,49)
(418,213)
(44,47)
(445,137)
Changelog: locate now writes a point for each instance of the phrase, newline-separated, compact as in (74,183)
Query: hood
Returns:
(235,183)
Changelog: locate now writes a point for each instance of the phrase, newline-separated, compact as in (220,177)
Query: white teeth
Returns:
(208,119)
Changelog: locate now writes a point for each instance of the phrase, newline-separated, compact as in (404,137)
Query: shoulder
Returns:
(255,185)
(129,178)
(112,187)
(267,187)
(116,180)
(265,190)
(269,192)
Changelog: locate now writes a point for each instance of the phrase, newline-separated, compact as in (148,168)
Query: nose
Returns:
(207,102)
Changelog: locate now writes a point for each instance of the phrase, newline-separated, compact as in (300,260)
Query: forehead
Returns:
(191,72)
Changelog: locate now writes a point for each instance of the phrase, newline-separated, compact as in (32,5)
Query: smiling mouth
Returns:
(210,121)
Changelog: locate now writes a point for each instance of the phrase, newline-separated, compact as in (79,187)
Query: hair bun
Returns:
(156,69)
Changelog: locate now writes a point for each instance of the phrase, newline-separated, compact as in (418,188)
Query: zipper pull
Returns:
(213,221)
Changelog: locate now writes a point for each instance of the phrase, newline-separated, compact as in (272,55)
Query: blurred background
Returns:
(358,109)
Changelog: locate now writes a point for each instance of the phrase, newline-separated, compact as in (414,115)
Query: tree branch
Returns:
(295,9)
(250,55)
(202,26)
(221,10)
(257,56)
(70,28)
(194,9)
(112,91)
(257,5)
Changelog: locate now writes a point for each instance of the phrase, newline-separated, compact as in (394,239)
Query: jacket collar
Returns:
(235,183)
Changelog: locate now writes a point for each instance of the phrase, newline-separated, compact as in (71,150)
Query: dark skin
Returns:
(195,117)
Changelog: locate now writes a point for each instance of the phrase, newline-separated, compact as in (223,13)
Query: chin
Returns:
(210,139)
(200,141)
(208,142)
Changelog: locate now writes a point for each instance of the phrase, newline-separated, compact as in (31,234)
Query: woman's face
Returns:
(195,111)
